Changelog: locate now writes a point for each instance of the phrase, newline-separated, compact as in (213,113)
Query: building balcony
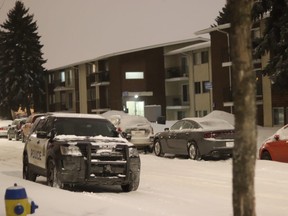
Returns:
(176,73)
(63,86)
(176,102)
(99,78)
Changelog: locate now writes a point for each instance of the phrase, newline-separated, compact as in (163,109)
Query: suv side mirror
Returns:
(52,133)
(41,134)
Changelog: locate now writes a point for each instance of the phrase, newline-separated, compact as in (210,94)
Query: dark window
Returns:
(185,93)
(177,126)
(197,87)
(204,57)
(205,86)
(84,127)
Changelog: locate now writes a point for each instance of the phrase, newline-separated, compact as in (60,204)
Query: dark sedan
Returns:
(14,130)
(197,138)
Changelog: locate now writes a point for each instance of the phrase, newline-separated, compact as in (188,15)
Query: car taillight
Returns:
(1,128)
(210,135)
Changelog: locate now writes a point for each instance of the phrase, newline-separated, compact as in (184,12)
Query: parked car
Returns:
(138,128)
(275,147)
(25,130)
(4,127)
(15,129)
(77,149)
(196,138)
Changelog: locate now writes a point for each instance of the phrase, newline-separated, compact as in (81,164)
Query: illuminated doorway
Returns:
(135,107)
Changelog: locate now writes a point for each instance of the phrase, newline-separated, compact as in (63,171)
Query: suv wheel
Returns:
(52,177)
(134,184)
(27,172)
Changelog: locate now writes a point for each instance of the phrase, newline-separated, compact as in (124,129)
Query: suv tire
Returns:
(134,184)
(27,172)
(52,176)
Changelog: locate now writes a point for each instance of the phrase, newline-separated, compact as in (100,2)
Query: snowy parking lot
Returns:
(168,186)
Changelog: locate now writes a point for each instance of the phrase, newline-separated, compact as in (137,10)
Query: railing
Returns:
(175,100)
(101,76)
(174,72)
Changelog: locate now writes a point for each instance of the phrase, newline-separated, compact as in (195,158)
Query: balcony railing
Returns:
(174,72)
(175,100)
(99,77)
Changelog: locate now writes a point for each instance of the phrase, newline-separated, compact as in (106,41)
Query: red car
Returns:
(276,147)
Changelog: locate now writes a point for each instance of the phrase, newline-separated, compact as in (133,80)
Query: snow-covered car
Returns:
(77,149)
(15,129)
(4,127)
(275,147)
(196,138)
(137,127)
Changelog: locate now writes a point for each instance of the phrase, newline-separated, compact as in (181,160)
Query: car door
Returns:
(176,142)
(36,146)
(279,148)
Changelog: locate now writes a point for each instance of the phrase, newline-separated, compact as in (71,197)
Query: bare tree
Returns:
(244,82)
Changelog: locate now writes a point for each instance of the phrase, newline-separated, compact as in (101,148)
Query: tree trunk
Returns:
(244,82)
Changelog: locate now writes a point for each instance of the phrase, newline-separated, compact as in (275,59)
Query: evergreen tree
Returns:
(224,15)
(21,70)
(275,39)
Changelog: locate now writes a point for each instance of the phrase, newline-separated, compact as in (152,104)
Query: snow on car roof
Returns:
(75,115)
(126,120)
(212,123)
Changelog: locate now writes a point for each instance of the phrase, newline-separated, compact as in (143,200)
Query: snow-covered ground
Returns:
(168,186)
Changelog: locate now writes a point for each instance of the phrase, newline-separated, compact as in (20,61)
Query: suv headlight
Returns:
(133,152)
(70,150)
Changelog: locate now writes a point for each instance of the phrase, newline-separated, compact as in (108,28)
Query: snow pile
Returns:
(221,115)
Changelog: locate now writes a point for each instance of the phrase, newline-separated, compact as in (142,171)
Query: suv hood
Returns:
(97,140)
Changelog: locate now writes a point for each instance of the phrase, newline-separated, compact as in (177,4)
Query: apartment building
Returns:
(271,102)
(129,81)
(188,81)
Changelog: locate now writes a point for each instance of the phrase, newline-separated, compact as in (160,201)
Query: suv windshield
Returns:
(84,127)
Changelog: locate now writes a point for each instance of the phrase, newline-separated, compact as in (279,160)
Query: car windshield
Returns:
(84,127)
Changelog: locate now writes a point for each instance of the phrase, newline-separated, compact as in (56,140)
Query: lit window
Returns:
(134,75)
(62,76)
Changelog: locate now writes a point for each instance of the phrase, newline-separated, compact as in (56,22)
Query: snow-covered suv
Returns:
(76,149)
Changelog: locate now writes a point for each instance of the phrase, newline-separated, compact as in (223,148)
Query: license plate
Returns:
(229,144)
(138,133)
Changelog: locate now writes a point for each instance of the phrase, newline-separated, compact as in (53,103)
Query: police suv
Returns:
(76,149)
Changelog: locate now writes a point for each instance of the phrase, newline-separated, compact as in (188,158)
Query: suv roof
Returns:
(75,115)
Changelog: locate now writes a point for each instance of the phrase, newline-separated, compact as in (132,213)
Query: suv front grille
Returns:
(104,160)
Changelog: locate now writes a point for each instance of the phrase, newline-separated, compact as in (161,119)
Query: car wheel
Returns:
(52,175)
(266,156)
(193,151)
(158,148)
(134,184)
(27,172)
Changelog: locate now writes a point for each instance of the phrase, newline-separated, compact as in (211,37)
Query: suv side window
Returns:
(41,125)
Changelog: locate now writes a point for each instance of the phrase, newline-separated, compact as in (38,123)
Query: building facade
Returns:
(129,81)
